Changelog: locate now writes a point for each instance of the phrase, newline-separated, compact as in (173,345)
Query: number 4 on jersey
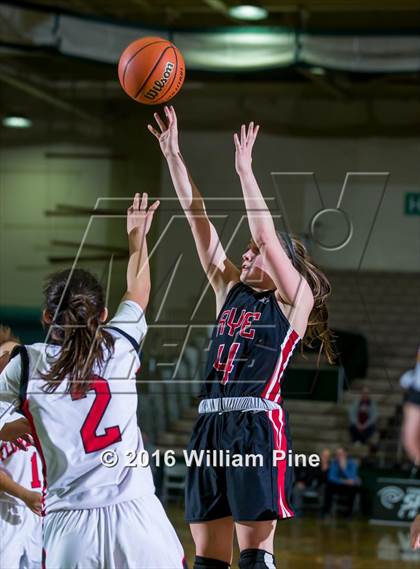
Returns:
(226,367)
(93,442)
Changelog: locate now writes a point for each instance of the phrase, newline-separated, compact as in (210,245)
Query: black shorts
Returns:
(254,491)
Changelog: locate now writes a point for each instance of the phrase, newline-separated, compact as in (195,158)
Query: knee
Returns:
(256,559)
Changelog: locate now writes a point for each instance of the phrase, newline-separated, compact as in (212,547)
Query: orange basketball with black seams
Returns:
(151,70)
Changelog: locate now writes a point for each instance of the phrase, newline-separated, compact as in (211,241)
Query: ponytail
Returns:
(75,303)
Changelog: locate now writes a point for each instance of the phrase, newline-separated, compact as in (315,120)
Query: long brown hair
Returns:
(74,302)
(318,330)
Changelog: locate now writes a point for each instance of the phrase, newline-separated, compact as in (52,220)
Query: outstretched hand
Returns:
(243,154)
(167,135)
(139,217)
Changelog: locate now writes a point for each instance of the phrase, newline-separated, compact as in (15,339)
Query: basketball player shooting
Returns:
(264,308)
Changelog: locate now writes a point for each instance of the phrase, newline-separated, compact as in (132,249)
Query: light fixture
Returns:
(16,121)
(317,70)
(248,11)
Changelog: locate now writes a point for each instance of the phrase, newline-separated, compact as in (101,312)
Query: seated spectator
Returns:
(342,481)
(310,478)
(363,415)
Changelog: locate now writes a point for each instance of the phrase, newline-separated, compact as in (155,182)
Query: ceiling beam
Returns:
(324,83)
(25,86)
(343,6)
(217,5)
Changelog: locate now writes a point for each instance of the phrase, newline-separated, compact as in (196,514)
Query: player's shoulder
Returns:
(128,314)
(129,323)
(40,349)
(123,340)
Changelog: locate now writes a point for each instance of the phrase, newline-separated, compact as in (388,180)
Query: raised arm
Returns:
(220,271)
(291,286)
(139,220)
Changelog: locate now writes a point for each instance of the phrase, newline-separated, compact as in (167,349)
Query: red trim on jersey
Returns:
(26,411)
(288,351)
(280,444)
(272,388)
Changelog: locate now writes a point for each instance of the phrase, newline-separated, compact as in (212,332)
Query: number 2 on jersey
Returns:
(93,442)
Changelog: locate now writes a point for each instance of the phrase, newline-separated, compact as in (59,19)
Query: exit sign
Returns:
(412,204)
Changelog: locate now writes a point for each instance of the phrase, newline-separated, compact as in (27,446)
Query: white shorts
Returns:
(132,535)
(20,537)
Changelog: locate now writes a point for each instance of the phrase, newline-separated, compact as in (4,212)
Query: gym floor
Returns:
(309,542)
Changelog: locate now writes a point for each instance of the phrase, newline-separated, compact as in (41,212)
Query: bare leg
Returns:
(214,539)
(256,535)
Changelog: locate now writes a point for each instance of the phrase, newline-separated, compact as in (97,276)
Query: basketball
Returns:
(151,70)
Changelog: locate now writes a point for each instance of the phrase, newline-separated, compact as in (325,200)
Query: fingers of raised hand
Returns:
(170,113)
(250,132)
(154,207)
(243,135)
(169,116)
(256,130)
(153,131)
(236,141)
(136,201)
(173,114)
(160,122)
(144,199)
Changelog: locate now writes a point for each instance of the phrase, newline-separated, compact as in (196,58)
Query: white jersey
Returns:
(74,433)
(24,467)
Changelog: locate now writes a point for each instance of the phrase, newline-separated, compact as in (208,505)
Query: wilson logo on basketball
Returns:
(159,84)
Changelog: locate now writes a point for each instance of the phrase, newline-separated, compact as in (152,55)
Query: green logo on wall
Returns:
(412,204)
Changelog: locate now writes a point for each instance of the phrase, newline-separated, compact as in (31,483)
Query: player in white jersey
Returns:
(20,506)
(78,392)
(20,491)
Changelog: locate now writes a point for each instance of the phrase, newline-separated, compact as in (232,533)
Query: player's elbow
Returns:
(263,239)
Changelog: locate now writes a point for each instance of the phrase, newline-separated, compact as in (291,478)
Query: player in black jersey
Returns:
(264,308)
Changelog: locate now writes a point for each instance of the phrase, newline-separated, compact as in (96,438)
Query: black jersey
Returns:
(251,345)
